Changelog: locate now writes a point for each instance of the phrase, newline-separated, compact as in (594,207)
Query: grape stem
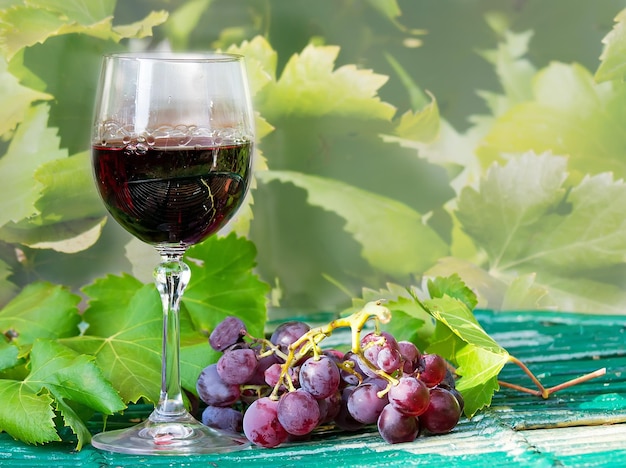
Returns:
(546,392)
(308,342)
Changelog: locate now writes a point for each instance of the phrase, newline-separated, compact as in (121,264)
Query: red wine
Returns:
(167,195)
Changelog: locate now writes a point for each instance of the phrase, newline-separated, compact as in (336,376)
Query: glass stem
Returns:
(171,277)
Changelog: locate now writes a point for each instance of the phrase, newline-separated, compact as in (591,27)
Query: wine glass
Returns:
(172,147)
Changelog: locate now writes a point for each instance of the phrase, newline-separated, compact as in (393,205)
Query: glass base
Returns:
(186,437)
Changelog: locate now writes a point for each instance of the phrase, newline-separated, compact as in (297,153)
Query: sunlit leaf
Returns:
(261,62)
(225,285)
(57,374)
(16,100)
(613,58)
(126,320)
(32,145)
(422,125)
(588,129)
(40,310)
(36,21)
(590,234)
(183,20)
(311,86)
(501,216)
(460,338)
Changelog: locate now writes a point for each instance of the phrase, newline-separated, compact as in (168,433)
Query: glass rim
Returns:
(169,56)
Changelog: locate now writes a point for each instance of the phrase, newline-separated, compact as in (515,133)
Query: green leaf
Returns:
(8,355)
(25,414)
(71,214)
(459,338)
(32,145)
(126,320)
(452,286)
(223,284)
(422,125)
(16,100)
(40,310)
(183,20)
(502,217)
(588,128)
(57,374)
(613,58)
(261,61)
(409,320)
(514,72)
(310,86)
(370,217)
(38,20)
(124,334)
(591,234)
(8,289)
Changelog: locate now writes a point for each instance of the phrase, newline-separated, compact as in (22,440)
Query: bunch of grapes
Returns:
(285,387)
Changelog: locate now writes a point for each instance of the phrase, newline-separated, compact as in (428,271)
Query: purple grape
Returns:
(272,375)
(320,377)
(459,398)
(329,407)
(410,355)
(344,419)
(377,381)
(364,404)
(298,412)
(261,425)
(410,396)
(287,333)
(263,363)
(395,427)
(236,366)
(434,369)
(389,360)
(351,378)
(443,412)
(213,390)
(225,418)
(226,333)
(374,344)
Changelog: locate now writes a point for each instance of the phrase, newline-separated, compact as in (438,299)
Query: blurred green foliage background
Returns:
(398,139)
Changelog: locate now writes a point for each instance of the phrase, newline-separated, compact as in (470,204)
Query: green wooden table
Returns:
(580,426)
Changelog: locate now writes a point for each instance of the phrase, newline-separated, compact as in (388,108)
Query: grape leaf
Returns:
(541,240)
(422,125)
(410,321)
(40,310)
(369,217)
(514,72)
(37,20)
(591,235)
(309,86)
(124,334)
(502,216)
(125,317)
(33,144)
(57,374)
(459,338)
(16,100)
(183,21)
(613,57)
(7,288)
(587,128)
(70,216)
(225,285)
(261,61)
(8,355)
